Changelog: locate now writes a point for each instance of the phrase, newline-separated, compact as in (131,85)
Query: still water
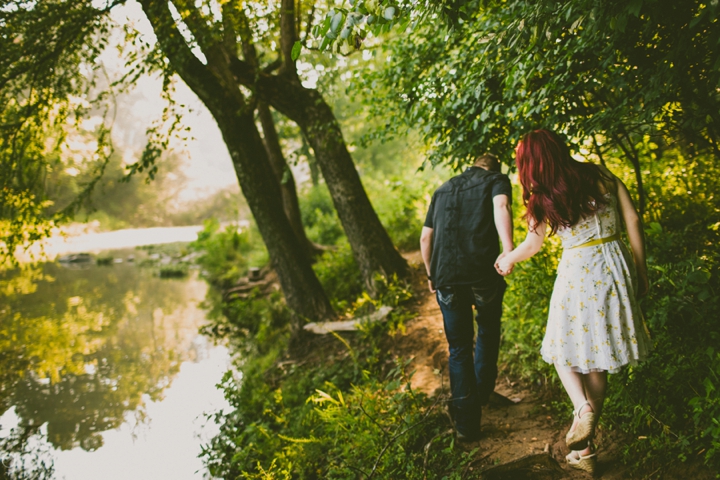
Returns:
(103,367)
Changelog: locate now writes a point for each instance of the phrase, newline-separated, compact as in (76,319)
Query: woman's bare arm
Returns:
(633,224)
(529,247)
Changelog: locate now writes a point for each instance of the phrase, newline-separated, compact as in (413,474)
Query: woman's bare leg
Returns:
(595,385)
(574,386)
(580,388)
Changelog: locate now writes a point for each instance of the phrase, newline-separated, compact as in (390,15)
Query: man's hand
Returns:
(502,266)
(431,286)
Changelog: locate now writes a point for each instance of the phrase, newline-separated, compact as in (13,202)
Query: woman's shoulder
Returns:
(608,181)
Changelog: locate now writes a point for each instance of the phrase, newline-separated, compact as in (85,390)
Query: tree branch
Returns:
(631,154)
(198,76)
(230,31)
(202,33)
(309,24)
(272,66)
(288,37)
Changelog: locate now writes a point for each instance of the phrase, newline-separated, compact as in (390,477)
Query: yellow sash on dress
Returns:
(598,241)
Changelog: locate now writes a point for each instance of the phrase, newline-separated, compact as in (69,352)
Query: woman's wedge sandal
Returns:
(587,463)
(584,431)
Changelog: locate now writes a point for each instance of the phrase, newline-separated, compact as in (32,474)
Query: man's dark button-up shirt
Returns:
(465,239)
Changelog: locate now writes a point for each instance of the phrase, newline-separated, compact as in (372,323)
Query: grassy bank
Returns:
(334,406)
(341,406)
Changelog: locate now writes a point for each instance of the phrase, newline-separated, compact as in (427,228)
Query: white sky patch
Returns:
(212,9)
(186,33)
(91,123)
(208,167)
(309,74)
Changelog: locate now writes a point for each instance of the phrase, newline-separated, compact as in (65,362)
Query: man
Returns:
(459,245)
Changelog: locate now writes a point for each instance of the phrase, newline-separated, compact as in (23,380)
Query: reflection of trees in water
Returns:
(79,349)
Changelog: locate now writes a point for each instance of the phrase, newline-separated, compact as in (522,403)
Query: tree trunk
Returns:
(290,258)
(285,178)
(216,88)
(371,245)
(372,248)
(312,162)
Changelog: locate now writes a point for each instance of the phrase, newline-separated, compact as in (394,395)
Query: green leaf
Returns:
(297,48)
(325,26)
(635,6)
(699,277)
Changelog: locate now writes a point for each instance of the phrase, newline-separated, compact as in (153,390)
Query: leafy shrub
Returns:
(315,422)
(177,270)
(669,400)
(401,208)
(339,275)
(526,305)
(338,410)
(667,406)
(251,324)
(227,253)
(319,217)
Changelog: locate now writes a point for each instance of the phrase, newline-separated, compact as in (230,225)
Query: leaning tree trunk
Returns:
(216,89)
(371,245)
(290,258)
(285,177)
(372,248)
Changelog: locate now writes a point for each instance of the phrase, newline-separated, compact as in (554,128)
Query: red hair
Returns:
(557,189)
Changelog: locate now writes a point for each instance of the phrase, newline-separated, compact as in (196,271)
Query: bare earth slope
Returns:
(511,431)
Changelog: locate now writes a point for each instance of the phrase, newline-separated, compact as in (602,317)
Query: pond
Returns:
(103,368)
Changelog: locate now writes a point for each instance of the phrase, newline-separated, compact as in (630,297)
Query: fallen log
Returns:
(322,328)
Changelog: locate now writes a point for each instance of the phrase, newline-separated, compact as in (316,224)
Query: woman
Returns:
(595,325)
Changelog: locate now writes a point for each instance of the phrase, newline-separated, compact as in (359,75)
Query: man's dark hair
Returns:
(489,161)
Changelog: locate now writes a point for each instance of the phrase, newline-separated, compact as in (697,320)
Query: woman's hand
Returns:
(503,266)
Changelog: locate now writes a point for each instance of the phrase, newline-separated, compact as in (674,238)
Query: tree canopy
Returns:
(602,73)
(48,76)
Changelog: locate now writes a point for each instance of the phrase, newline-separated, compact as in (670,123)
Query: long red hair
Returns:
(557,189)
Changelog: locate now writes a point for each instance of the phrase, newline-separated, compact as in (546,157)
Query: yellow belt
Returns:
(598,241)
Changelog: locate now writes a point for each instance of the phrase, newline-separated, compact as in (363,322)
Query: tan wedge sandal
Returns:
(587,463)
(584,431)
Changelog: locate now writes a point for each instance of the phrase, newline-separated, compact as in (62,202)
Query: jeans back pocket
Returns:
(445,295)
(485,295)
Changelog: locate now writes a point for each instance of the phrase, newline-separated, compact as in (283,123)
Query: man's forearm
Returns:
(504,225)
(426,247)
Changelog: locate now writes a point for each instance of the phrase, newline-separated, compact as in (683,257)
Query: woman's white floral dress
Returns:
(595,322)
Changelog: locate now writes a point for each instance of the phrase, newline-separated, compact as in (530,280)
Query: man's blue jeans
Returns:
(471,381)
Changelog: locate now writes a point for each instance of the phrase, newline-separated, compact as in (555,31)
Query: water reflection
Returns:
(80,349)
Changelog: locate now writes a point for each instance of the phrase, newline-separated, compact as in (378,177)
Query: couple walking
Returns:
(595,325)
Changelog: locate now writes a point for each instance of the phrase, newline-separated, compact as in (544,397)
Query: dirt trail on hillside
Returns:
(510,431)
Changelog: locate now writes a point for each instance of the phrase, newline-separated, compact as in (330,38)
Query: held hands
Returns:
(503,266)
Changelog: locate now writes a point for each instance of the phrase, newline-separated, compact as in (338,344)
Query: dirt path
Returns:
(509,431)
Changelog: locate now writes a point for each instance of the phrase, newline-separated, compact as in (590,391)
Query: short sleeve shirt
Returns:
(465,239)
